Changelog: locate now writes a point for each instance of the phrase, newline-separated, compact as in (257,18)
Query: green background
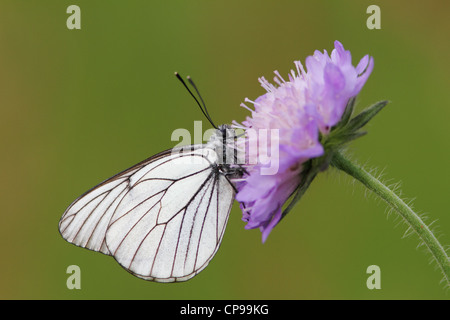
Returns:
(78,106)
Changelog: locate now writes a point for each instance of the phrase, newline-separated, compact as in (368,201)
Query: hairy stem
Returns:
(411,218)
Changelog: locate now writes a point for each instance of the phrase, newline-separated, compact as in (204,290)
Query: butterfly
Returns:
(163,219)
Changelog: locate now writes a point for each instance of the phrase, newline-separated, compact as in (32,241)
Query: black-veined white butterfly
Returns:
(164,218)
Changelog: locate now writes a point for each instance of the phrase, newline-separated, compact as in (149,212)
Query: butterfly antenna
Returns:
(201,99)
(202,105)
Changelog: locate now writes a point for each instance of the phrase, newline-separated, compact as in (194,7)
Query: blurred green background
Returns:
(78,106)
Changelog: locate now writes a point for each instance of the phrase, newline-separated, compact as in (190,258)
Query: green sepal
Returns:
(347,114)
(365,116)
(348,129)
(308,176)
(337,140)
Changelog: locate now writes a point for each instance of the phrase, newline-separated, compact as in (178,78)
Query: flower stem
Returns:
(411,218)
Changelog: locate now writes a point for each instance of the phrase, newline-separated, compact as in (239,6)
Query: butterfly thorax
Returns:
(224,142)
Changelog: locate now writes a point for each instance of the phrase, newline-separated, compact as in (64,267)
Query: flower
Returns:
(299,111)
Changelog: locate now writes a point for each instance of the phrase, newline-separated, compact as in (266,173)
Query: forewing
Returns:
(85,221)
(162,219)
(172,234)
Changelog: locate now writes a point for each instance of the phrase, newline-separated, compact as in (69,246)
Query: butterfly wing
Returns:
(163,219)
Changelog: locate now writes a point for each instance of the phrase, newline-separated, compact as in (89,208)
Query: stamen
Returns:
(237,125)
(293,74)
(244,106)
(253,102)
(266,84)
(279,76)
(277,81)
(300,70)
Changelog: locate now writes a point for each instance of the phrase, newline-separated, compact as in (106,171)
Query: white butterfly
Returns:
(164,218)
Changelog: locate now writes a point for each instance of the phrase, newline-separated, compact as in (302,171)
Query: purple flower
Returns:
(297,110)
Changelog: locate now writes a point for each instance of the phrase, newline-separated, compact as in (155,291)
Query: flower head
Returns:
(301,110)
